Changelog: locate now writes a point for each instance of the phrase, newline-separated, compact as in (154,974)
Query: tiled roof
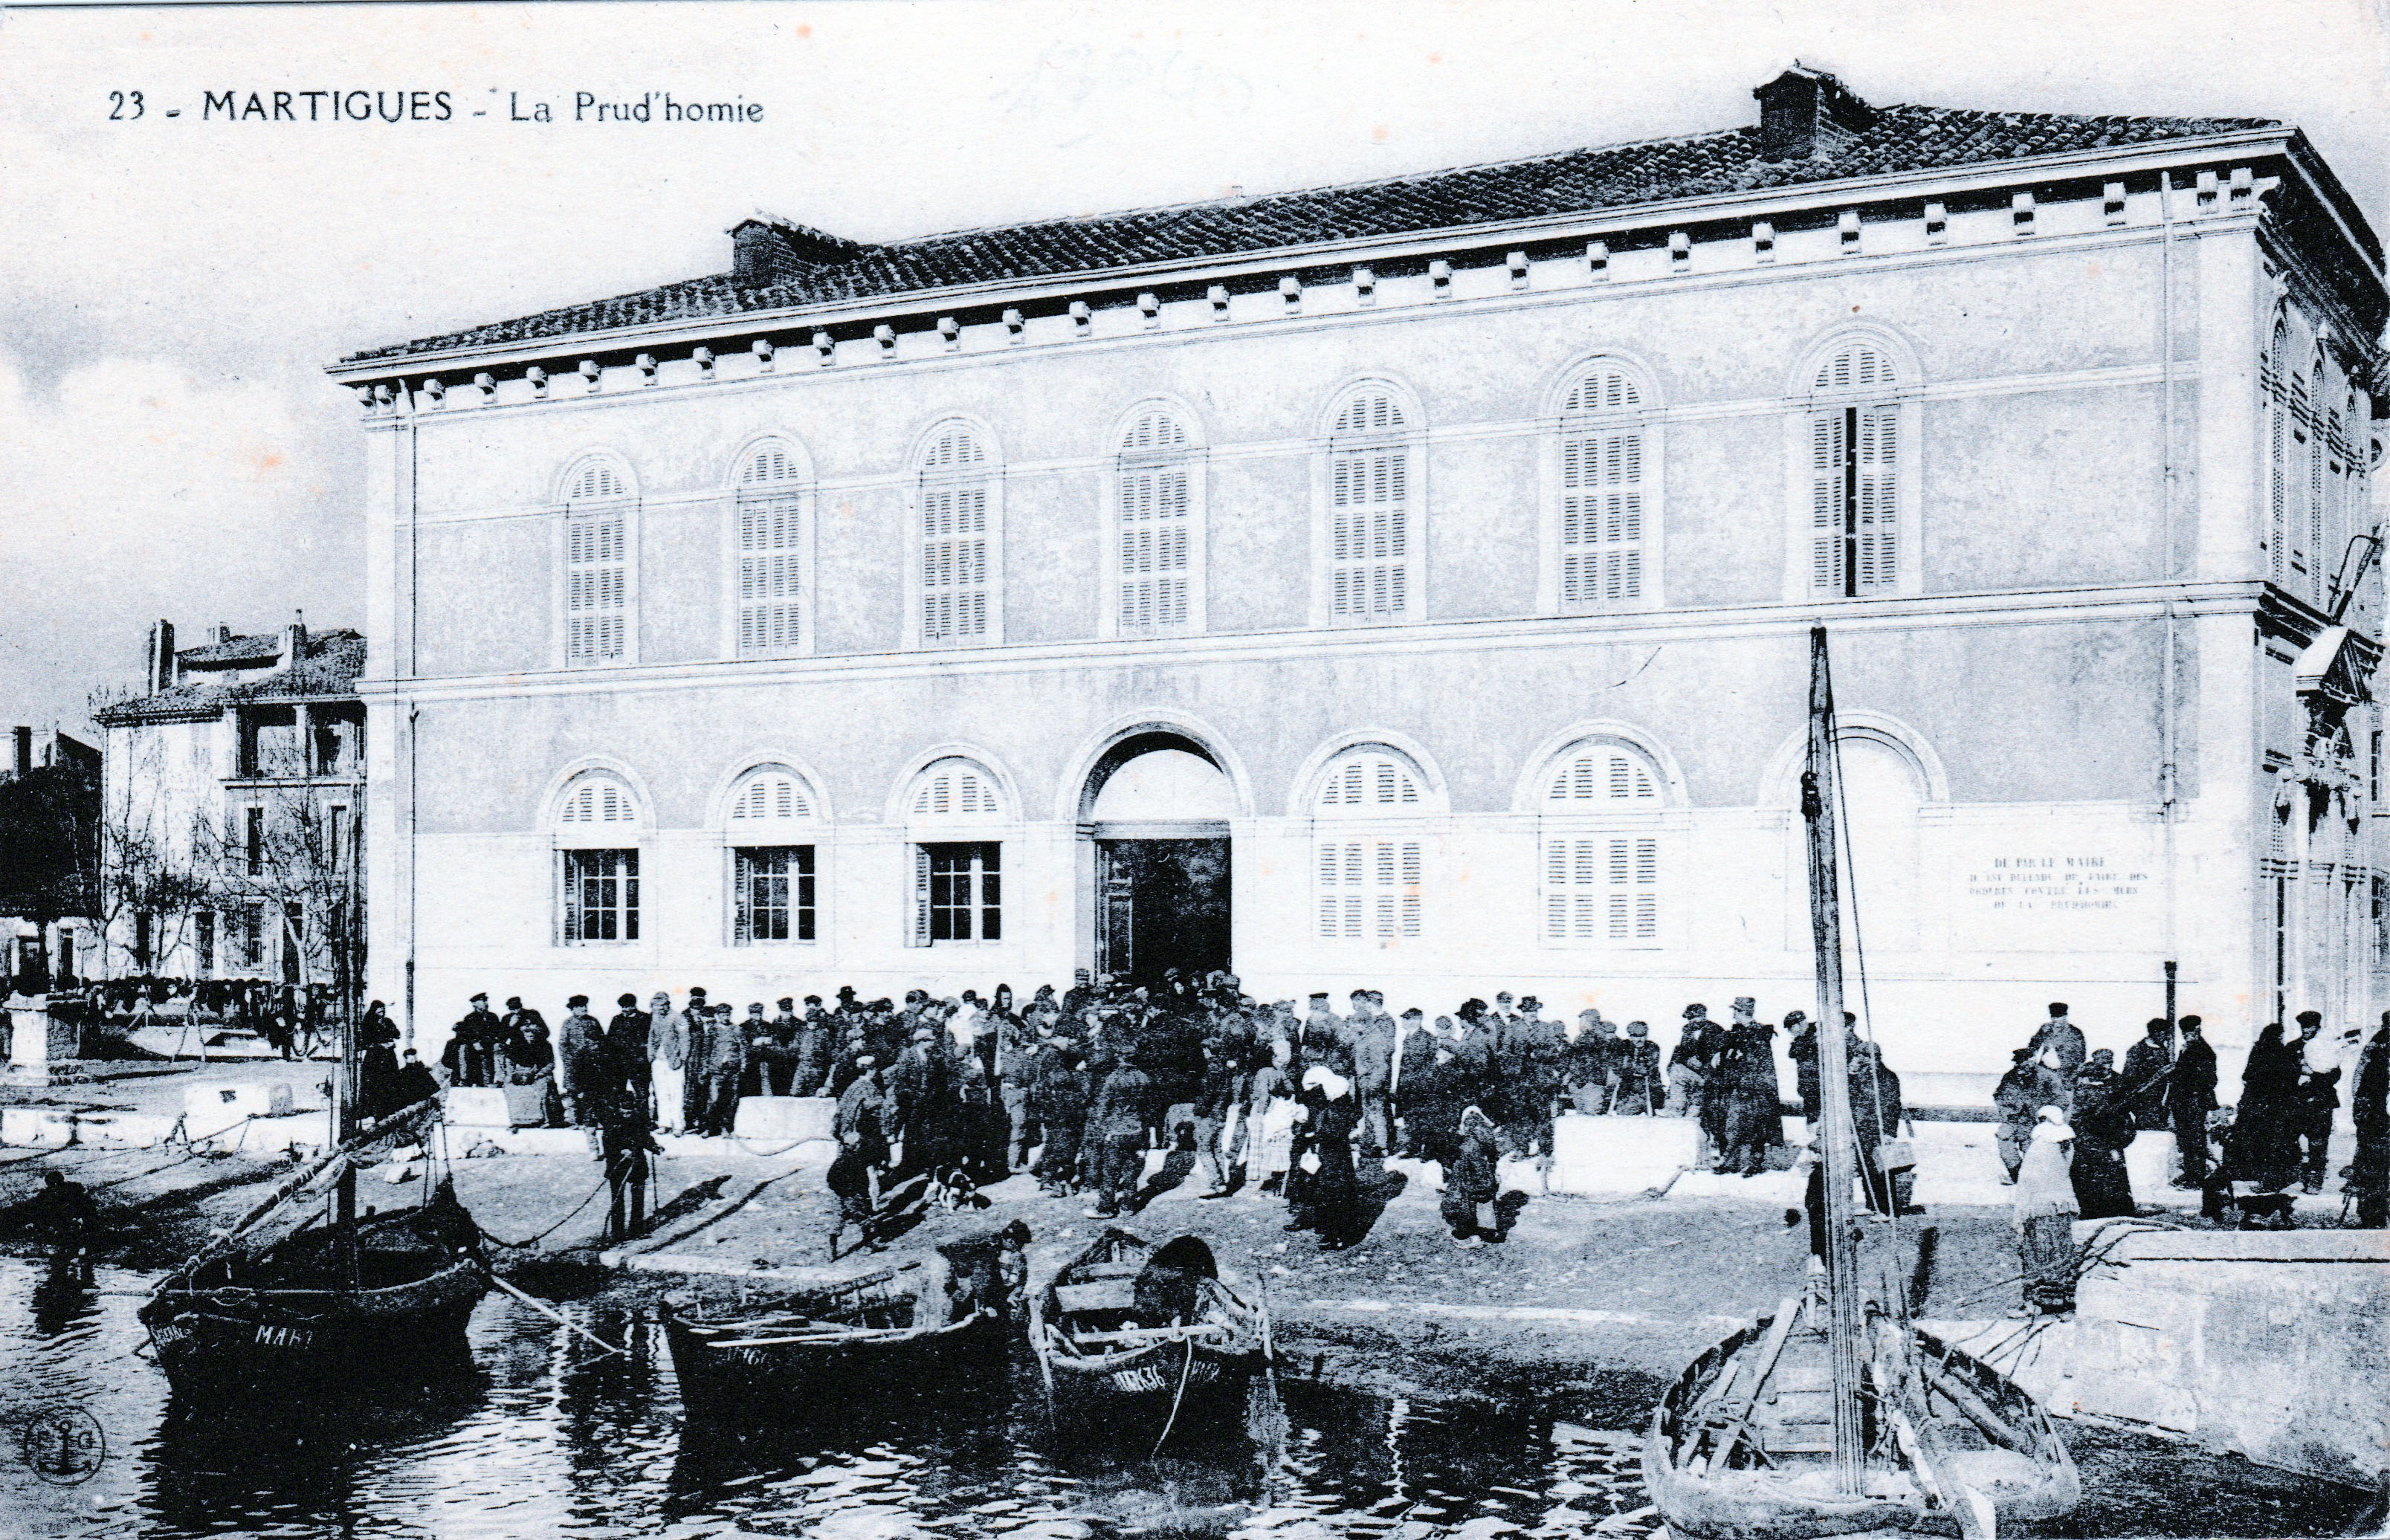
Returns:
(233,652)
(326,669)
(1901,138)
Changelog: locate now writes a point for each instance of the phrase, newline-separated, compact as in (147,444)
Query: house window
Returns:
(1372,533)
(203,942)
(1369,890)
(958,891)
(955,789)
(771,554)
(144,927)
(597,565)
(336,839)
(273,750)
(957,558)
(601,895)
(338,733)
(252,839)
(598,861)
(1369,868)
(1156,536)
(1602,499)
(1602,853)
(772,889)
(1854,434)
(249,937)
(771,816)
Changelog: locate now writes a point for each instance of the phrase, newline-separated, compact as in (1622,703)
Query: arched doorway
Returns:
(1157,806)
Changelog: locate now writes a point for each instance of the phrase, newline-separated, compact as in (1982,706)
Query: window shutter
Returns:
(2278,520)
(1601,494)
(1156,539)
(921,896)
(953,532)
(1875,546)
(769,553)
(1828,449)
(1370,534)
(2319,539)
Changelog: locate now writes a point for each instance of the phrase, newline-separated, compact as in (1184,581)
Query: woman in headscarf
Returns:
(2045,1211)
(1331,1193)
(1471,1182)
(2103,1126)
(2264,1146)
(377,1062)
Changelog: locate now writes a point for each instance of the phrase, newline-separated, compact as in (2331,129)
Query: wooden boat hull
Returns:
(1133,1402)
(2034,1479)
(1119,1385)
(797,1383)
(240,1337)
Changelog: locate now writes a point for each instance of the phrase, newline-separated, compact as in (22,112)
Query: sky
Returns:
(171,287)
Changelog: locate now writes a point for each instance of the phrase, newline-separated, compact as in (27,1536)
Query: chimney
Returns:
(161,657)
(24,746)
(224,633)
(766,249)
(1807,114)
(294,640)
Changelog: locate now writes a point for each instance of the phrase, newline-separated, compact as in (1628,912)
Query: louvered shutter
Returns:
(1877,526)
(1829,450)
(770,571)
(955,538)
(1601,495)
(597,577)
(921,896)
(1370,533)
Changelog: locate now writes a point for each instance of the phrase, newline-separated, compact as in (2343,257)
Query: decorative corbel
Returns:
(763,350)
(647,363)
(704,360)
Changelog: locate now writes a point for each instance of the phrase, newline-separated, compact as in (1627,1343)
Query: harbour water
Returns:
(543,1434)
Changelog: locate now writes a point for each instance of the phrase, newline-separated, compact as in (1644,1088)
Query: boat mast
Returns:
(1844,1306)
(344,1084)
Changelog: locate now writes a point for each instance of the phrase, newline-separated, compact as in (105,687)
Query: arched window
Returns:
(1604,496)
(771,552)
(2273,366)
(1856,432)
(598,560)
(1159,539)
(957,536)
(598,862)
(772,855)
(1602,847)
(1372,531)
(957,873)
(1369,882)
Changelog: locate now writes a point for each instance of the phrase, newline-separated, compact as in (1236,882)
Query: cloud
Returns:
(136,488)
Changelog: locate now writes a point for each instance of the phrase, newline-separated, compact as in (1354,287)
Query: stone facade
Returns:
(1457,578)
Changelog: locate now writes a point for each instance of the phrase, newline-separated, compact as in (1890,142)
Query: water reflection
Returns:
(540,1432)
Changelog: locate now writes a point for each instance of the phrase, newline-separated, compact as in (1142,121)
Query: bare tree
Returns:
(143,865)
(290,856)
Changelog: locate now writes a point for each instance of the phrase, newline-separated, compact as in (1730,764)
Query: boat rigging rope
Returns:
(1184,1370)
(1880,1178)
(518,1245)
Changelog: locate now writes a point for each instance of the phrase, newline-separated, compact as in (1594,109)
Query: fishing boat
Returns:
(1836,1415)
(912,1331)
(378,1295)
(1136,1340)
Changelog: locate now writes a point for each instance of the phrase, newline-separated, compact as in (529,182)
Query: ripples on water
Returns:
(539,1433)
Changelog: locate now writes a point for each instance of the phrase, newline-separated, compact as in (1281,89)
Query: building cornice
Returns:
(1613,224)
(1979,608)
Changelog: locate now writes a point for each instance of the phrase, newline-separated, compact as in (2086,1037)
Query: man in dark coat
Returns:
(774,1051)
(2062,1035)
(2319,1096)
(2191,1096)
(1641,1082)
(624,1143)
(1057,1100)
(1699,1047)
(2148,1066)
(2019,1107)
(1373,1065)
(1746,1074)
(814,1041)
(471,1056)
(2369,1105)
(1801,1047)
(2103,1126)
(1876,1116)
(579,1058)
(1117,1126)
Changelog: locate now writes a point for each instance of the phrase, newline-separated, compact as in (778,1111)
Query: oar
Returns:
(557,1317)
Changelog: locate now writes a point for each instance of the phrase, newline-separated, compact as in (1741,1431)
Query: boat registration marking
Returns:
(285,1336)
(1147,1376)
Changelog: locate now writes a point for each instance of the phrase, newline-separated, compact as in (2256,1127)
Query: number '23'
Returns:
(126,106)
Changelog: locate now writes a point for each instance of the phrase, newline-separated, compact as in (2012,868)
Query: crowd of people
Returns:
(1081,1087)
(1272,1098)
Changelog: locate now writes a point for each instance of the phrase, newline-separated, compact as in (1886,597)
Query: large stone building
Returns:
(1409,583)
